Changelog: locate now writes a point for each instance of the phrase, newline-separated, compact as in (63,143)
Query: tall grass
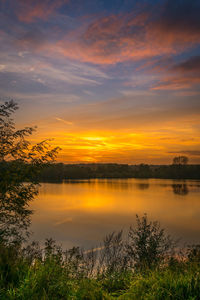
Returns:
(119,269)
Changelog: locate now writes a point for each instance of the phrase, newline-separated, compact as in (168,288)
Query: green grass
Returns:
(166,284)
(140,268)
(51,280)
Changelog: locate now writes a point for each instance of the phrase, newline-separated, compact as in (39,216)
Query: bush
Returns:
(147,244)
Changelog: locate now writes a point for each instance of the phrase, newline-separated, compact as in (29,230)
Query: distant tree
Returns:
(20,165)
(180,160)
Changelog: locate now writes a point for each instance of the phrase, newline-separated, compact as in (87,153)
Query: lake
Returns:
(83,212)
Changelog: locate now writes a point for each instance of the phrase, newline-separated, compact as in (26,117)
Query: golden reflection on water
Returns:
(83,212)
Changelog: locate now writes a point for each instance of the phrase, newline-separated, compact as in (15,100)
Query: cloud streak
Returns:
(29,11)
(187,152)
(187,76)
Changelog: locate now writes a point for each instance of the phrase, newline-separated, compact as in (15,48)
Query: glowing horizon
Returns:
(110,81)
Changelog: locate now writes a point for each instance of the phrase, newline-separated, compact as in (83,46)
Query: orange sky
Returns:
(109,81)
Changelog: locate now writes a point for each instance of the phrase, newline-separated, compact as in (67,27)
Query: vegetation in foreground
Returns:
(69,276)
(143,266)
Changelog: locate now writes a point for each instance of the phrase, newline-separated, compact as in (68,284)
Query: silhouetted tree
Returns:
(20,164)
(180,160)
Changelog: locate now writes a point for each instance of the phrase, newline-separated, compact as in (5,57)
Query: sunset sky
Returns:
(109,80)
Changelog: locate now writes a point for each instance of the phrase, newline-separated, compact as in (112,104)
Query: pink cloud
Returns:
(123,37)
(187,75)
(30,10)
(117,37)
(107,41)
(177,83)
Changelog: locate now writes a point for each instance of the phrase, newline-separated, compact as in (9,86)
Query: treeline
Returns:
(59,171)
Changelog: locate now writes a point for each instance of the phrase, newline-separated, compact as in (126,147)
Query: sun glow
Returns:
(122,147)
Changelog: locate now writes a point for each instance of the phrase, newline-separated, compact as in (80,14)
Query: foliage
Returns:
(20,165)
(58,172)
(102,273)
(59,275)
(194,253)
(180,160)
(180,283)
(148,244)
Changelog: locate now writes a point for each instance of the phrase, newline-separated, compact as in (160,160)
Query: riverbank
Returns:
(55,278)
(144,265)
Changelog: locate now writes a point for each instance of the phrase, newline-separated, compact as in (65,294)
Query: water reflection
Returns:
(143,186)
(83,212)
(180,189)
(112,184)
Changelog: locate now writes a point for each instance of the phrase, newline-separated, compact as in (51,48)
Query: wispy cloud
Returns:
(31,10)
(184,75)
(64,121)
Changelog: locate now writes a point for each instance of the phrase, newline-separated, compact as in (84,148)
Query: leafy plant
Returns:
(20,165)
(147,244)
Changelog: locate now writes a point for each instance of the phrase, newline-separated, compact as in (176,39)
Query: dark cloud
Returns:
(183,75)
(190,65)
(181,15)
(187,152)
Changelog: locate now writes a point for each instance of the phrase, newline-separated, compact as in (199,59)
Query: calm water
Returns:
(83,212)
